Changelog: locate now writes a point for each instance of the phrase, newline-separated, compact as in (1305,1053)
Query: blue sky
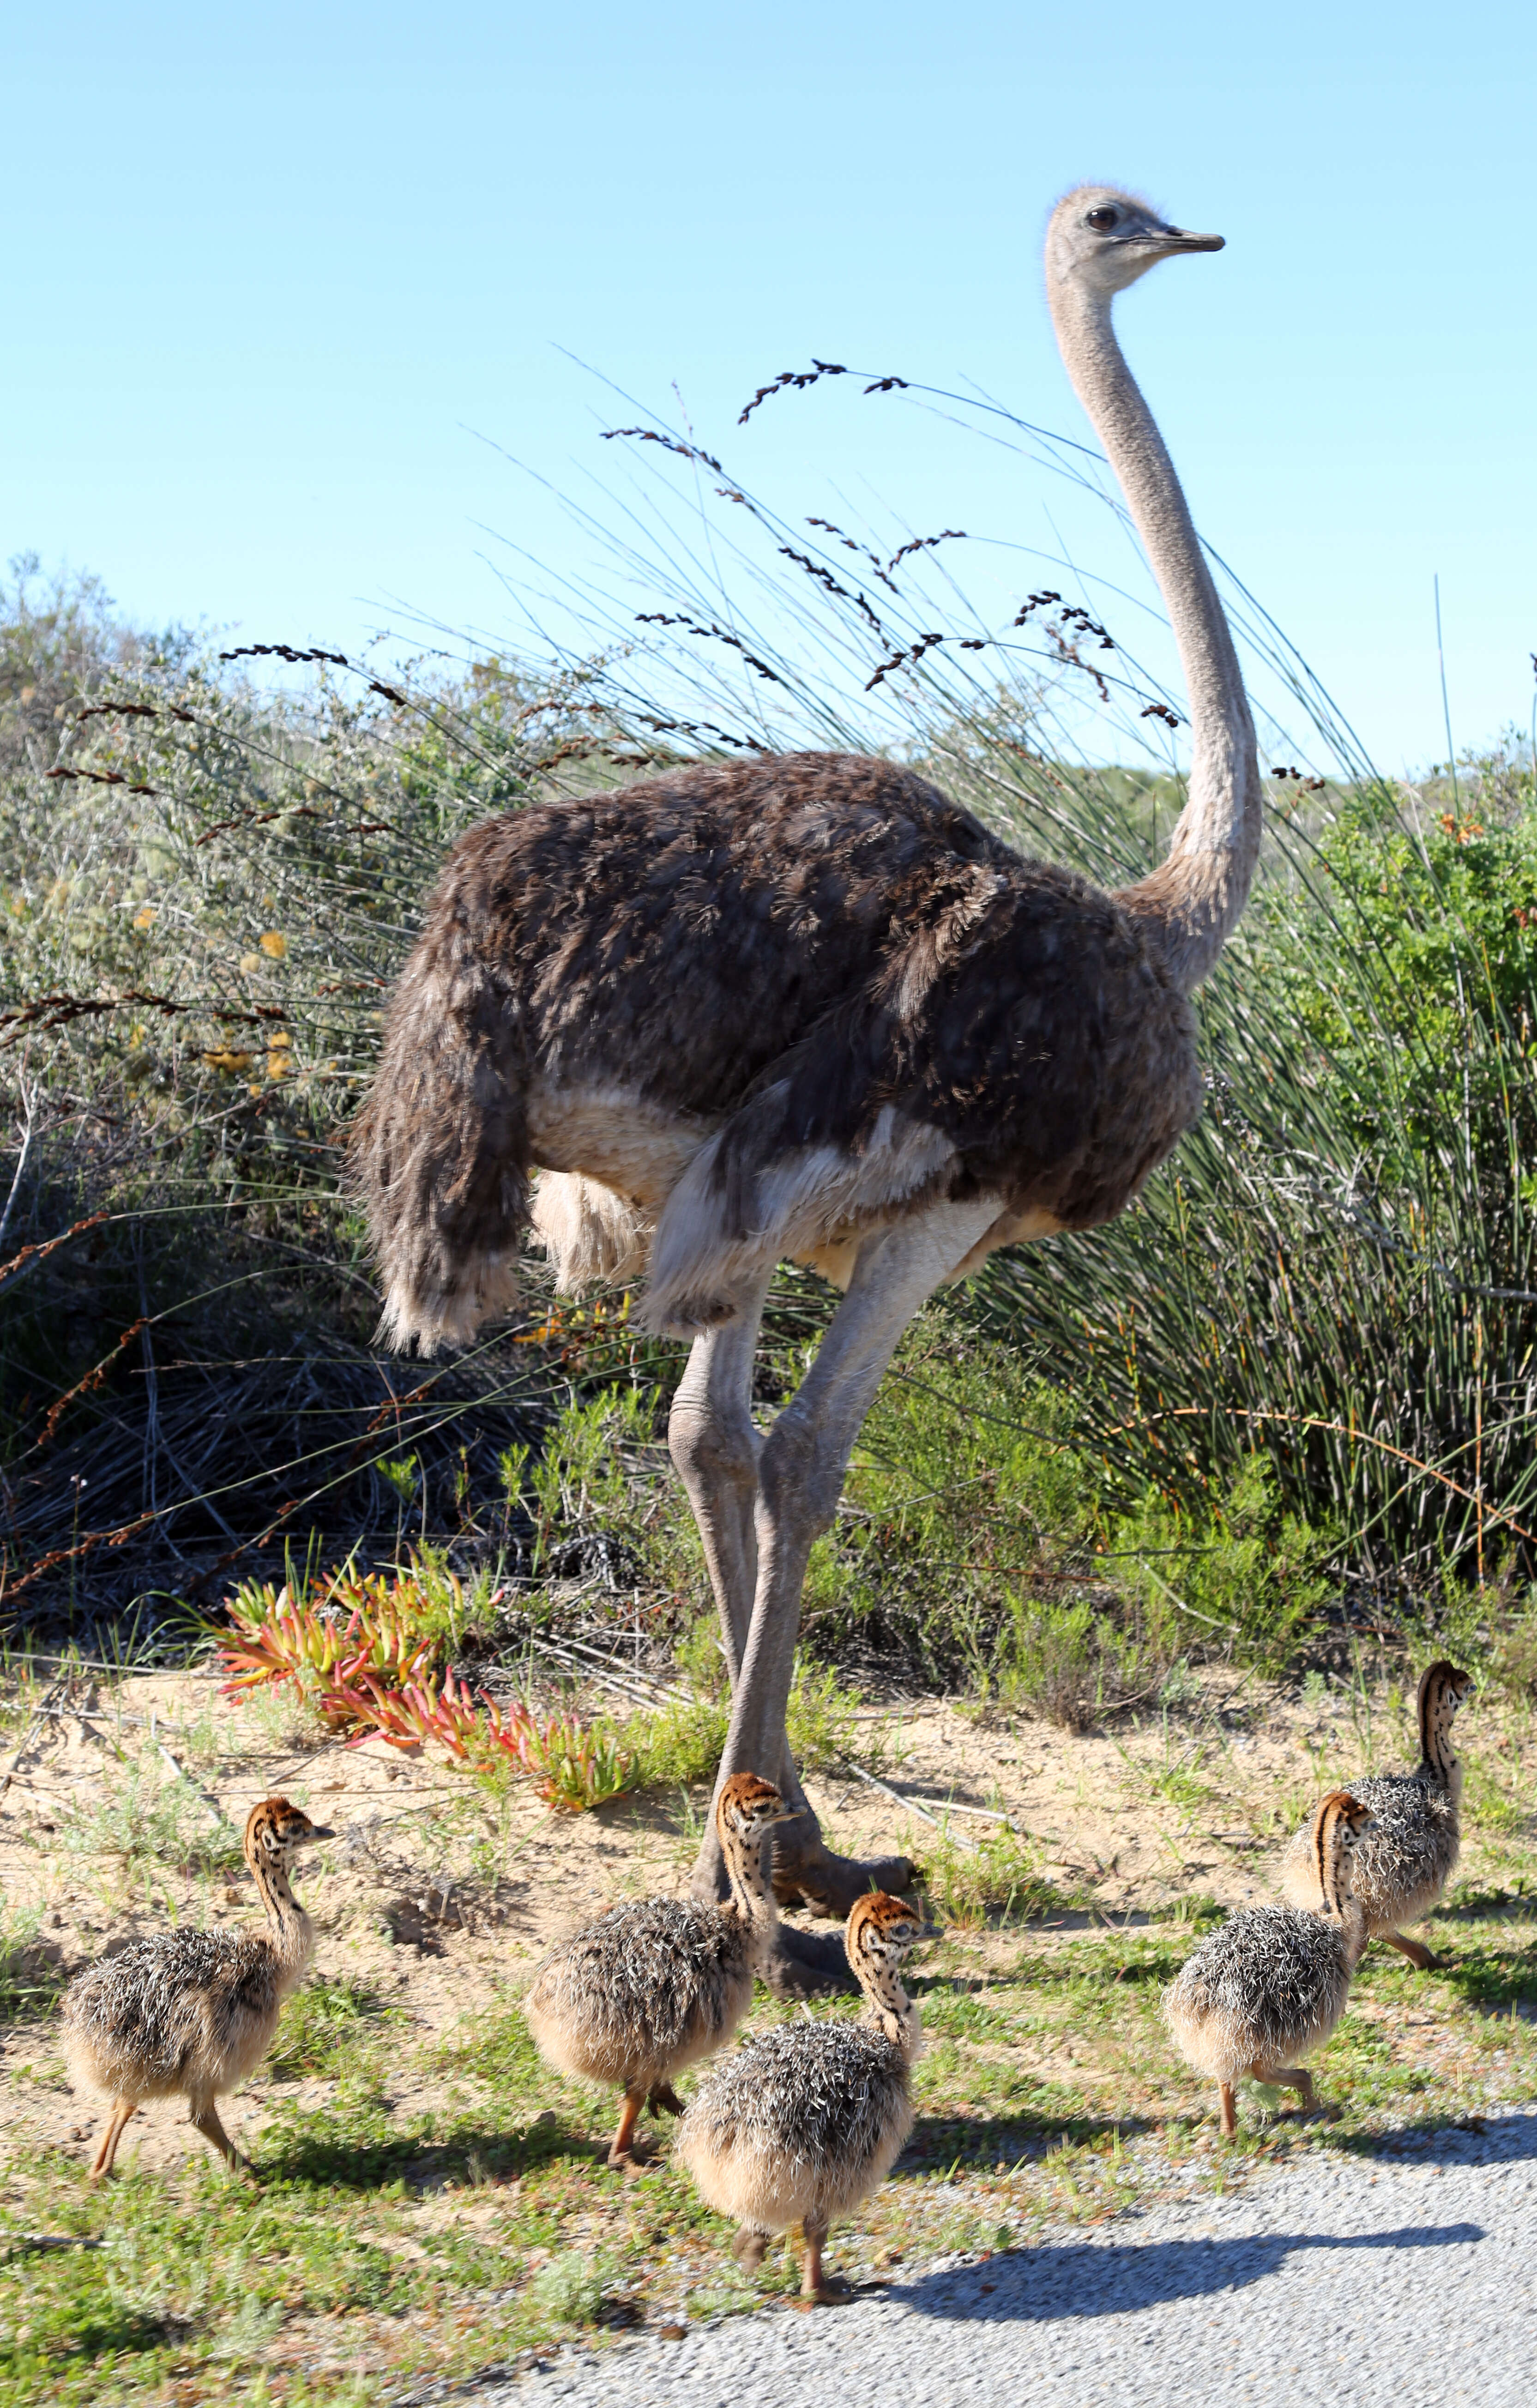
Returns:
(287,287)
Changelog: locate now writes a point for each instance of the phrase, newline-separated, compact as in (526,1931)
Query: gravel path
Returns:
(1407,2278)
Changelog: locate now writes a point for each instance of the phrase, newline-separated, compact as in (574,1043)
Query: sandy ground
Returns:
(441,1899)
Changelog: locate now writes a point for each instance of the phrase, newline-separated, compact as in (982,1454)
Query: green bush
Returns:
(996,1879)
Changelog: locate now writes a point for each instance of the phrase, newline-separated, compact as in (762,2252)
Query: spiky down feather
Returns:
(1403,1863)
(1266,1990)
(799,2125)
(642,1989)
(134,2023)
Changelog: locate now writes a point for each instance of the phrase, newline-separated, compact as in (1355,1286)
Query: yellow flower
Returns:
(250,962)
(145,919)
(279,1065)
(273,945)
(235,1064)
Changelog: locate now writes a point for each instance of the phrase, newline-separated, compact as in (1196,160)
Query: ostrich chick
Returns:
(1409,1857)
(1271,1984)
(806,2120)
(651,1987)
(191,2013)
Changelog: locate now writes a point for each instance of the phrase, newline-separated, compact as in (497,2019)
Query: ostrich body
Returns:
(1409,1855)
(807,2119)
(191,2013)
(651,1987)
(807,1005)
(1270,1986)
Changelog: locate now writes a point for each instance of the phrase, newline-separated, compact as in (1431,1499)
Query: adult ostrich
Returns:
(807,1005)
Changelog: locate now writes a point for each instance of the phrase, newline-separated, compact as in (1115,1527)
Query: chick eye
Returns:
(1102,219)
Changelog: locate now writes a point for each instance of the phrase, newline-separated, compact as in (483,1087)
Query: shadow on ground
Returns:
(1119,2278)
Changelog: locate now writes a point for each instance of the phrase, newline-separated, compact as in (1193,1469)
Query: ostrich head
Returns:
(748,1808)
(1443,1688)
(274,1830)
(1104,240)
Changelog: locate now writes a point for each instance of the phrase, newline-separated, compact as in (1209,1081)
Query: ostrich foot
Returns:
(206,2120)
(804,1964)
(808,1873)
(664,2100)
(636,2159)
(831,2292)
(622,2153)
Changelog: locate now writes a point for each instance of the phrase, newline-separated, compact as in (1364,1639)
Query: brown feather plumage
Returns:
(771,955)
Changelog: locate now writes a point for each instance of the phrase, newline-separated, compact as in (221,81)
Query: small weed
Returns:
(320,2026)
(569,2289)
(150,1821)
(1196,1909)
(1177,1780)
(678,1745)
(820,1717)
(29,1983)
(996,1881)
(700,1658)
(578,1766)
(1487,1804)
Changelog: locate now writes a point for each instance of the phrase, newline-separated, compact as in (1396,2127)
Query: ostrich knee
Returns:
(800,1481)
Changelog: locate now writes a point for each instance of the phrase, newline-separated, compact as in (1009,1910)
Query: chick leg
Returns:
(622,2151)
(204,2119)
(102,2163)
(817,2290)
(1228,2108)
(1298,2078)
(1414,1950)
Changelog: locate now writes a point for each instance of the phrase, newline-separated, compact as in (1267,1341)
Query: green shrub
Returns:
(679,1744)
(321,2028)
(996,1879)
(29,1979)
(569,2289)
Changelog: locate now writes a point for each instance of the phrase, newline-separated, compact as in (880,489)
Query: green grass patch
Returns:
(425,2244)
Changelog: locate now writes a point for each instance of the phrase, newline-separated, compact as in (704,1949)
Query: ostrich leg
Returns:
(715,1449)
(801,1465)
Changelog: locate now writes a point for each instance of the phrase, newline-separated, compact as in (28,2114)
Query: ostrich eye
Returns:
(1102,219)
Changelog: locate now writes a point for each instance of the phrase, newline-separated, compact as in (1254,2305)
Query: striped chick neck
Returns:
(274,1831)
(1442,1690)
(879,1931)
(745,1815)
(1337,1828)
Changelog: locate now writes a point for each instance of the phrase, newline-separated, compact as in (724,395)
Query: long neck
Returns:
(752,1891)
(1435,1739)
(1191,902)
(888,2007)
(293,1933)
(1337,1905)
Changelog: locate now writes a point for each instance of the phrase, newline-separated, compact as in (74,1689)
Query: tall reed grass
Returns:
(207,885)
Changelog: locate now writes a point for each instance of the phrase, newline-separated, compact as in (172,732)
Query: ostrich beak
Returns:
(1174,239)
(319,1831)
